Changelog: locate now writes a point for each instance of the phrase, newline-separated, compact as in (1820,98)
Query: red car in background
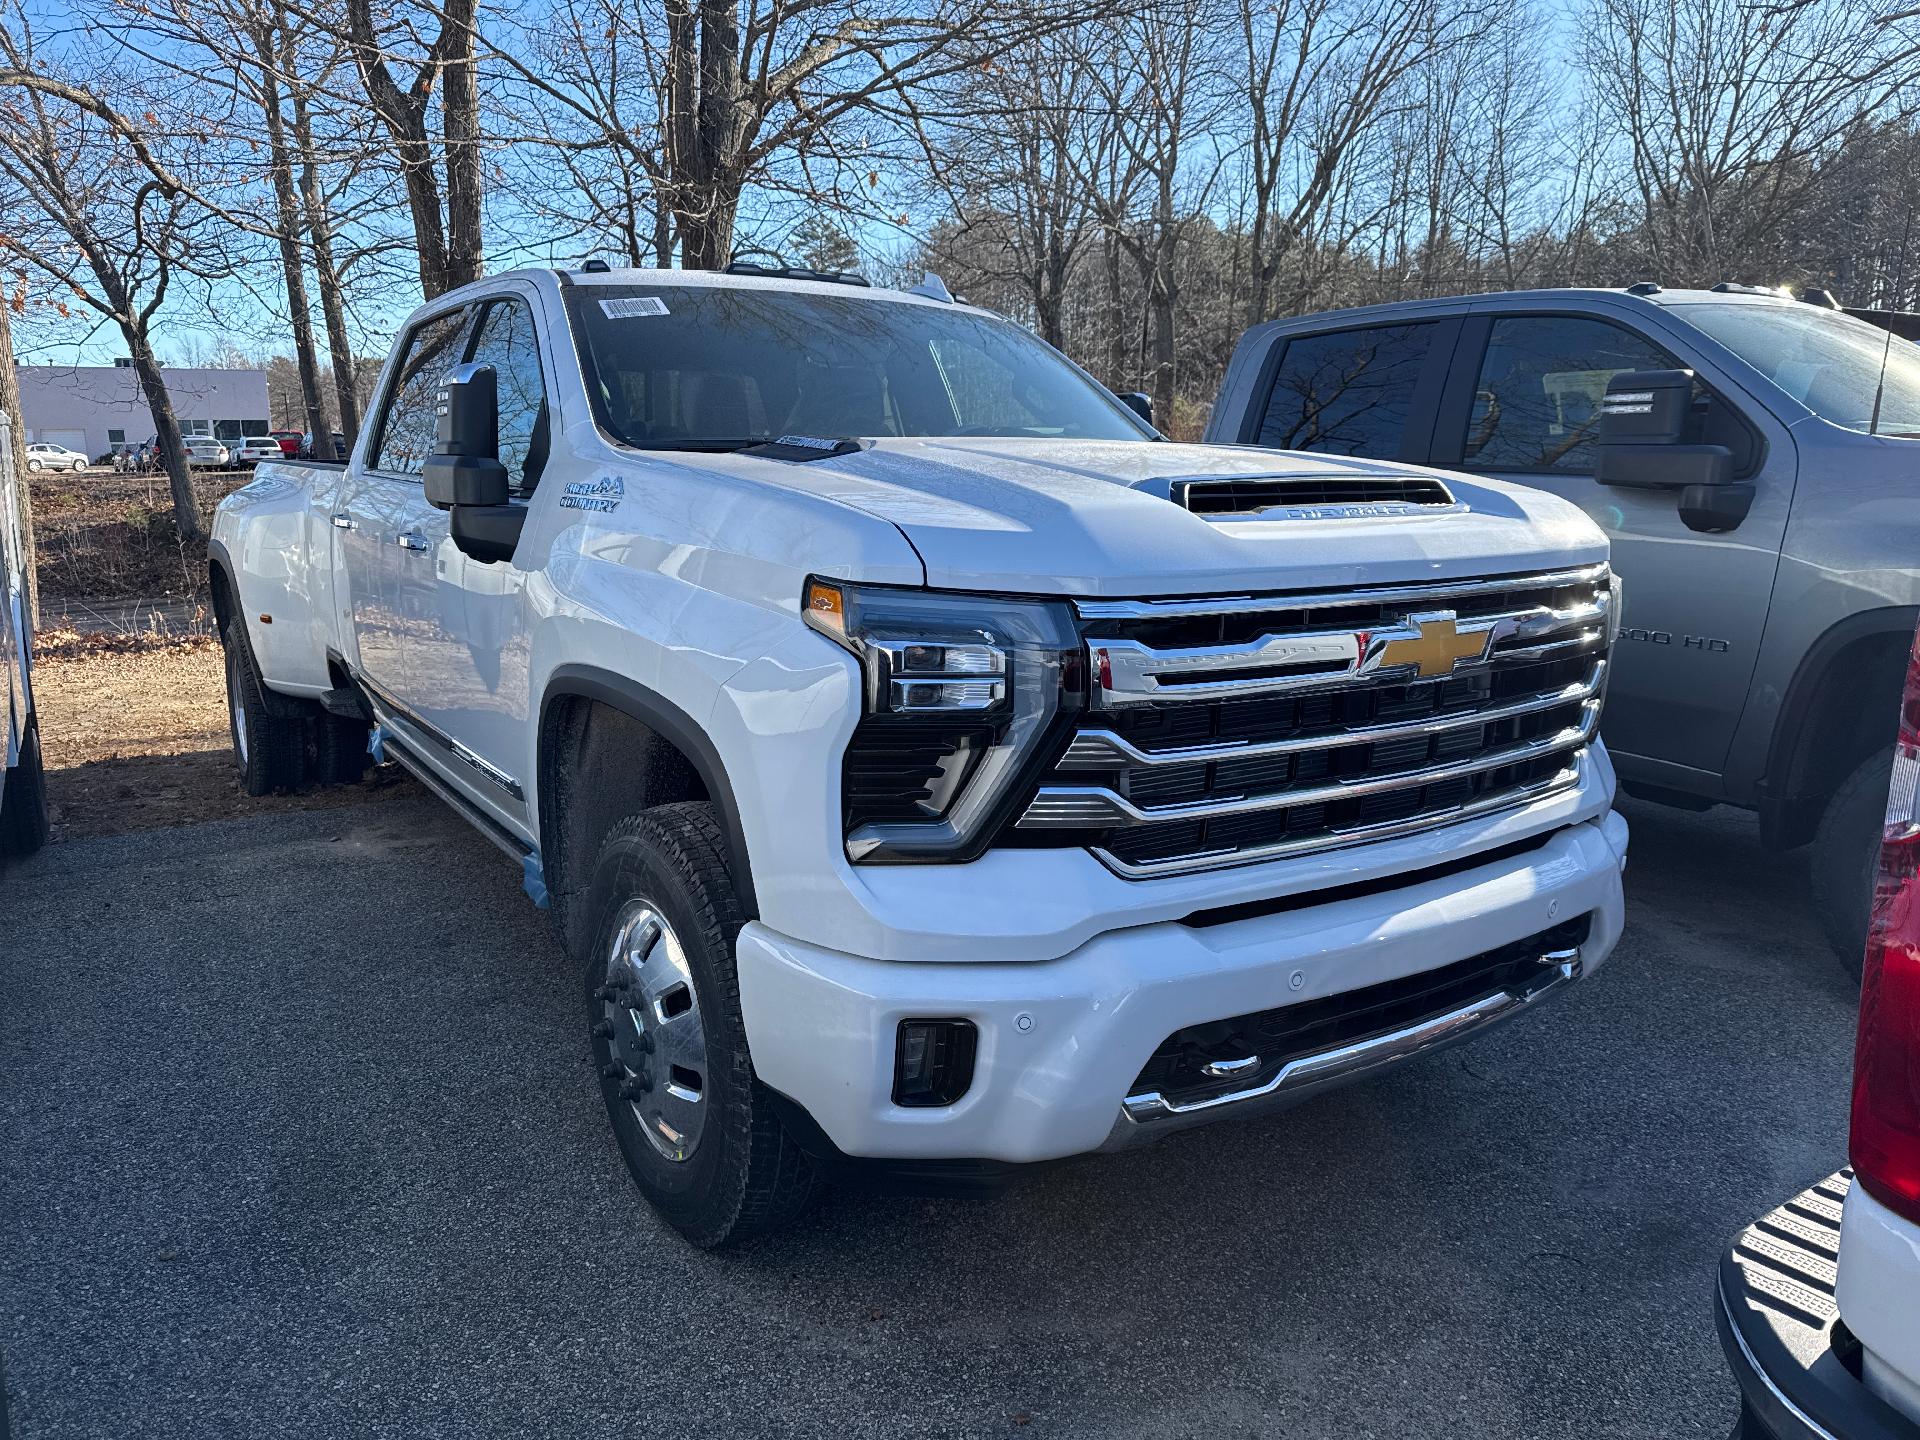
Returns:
(290,441)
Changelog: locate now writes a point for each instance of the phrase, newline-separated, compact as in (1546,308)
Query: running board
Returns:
(396,749)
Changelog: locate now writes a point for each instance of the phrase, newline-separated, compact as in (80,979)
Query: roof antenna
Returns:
(934,288)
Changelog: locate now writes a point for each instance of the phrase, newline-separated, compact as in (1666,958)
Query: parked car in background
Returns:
(256,448)
(335,443)
(289,441)
(23,783)
(1819,1302)
(41,456)
(933,770)
(202,451)
(1769,544)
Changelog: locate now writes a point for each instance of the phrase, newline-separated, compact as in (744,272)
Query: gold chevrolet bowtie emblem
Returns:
(1437,648)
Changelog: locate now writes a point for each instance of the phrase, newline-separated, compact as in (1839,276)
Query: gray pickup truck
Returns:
(1768,541)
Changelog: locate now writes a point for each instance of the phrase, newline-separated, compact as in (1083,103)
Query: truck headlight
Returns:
(966,697)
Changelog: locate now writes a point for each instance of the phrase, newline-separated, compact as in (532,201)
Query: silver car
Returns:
(42,456)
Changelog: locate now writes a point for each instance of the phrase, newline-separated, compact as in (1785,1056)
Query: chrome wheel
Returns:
(239,708)
(651,1023)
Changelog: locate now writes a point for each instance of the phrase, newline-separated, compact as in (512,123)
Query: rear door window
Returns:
(1348,392)
(1536,403)
(407,428)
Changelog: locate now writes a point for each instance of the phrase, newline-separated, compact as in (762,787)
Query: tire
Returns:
(1846,848)
(24,824)
(33,465)
(269,745)
(663,1008)
(339,750)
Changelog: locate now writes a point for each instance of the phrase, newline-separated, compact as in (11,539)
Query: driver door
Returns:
(1523,404)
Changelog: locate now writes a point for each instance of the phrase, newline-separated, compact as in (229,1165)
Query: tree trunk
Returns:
(460,129)
(10,405)
(287,208)
(326,273)
(186,510)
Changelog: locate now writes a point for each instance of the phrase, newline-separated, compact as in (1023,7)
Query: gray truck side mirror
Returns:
(465,467)
(1642,444)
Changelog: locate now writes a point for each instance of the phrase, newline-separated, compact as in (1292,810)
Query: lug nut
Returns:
(614,1070)
(636,1087)
(603,1028)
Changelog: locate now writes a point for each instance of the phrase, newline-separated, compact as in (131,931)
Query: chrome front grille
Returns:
(1228,731)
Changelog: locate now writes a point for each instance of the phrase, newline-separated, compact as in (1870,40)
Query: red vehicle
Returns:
(290,441)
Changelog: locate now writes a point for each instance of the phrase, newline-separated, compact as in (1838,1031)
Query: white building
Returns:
(99,408)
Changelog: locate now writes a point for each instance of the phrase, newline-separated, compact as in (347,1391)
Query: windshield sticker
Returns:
(604,494)
(809,442)
(633,307)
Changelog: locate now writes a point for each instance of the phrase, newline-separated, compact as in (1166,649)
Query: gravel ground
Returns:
(335,1165)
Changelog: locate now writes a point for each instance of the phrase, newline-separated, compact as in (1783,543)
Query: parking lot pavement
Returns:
(298,1137)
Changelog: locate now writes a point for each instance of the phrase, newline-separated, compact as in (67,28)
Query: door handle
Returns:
(342,521)
(409,540)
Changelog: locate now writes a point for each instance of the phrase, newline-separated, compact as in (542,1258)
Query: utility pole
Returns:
(10,404)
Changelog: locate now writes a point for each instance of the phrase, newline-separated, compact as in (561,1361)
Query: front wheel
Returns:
(694,1125)
(33,465)
(23,808)
(1846,850)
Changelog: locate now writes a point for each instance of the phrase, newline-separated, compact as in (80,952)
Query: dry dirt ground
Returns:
(135,734)
(103,535)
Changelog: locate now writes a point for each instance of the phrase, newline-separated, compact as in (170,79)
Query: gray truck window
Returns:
(406,429)
(1537,403)
(507,342)
(717,367)
(1348,392)
(1829,362)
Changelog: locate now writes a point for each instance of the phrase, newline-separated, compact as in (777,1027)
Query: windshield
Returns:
(719,367)
(1829,362)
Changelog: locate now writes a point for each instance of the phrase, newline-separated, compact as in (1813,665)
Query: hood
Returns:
(1105,518)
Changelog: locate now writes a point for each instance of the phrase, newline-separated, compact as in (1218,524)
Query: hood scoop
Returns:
(1310,497)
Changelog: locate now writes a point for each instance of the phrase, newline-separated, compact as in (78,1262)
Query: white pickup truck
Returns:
(932,768)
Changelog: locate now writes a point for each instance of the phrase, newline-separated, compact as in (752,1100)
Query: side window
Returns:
(507,342)
(1348,392)
(406,429)
(1536,405)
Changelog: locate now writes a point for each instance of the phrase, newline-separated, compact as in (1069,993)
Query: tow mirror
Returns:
(464,475)
(1644,423)
(1140,403)
(465,467)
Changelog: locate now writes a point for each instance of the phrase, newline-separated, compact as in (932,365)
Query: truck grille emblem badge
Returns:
(1437,646)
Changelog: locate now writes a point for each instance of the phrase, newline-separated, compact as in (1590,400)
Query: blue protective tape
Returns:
(533,880)
(377,744)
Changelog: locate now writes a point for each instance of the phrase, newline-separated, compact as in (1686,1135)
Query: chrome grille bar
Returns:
(1431,592)
(1130,672)
(1341,839)
(1104,750)
(1073,807)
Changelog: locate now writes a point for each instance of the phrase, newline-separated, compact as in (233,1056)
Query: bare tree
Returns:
(1726,110)
(97,226)
(442,176)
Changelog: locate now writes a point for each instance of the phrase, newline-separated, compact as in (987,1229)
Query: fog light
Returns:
(933,1061)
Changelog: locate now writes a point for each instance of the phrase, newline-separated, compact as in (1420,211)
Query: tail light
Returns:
(1886,1069)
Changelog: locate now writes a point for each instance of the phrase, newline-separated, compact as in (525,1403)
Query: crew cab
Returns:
(932,769)
(1767,547)
(1818,1302)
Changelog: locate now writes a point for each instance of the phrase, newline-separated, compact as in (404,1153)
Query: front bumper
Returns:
(1797,1366)
(1062,1042)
